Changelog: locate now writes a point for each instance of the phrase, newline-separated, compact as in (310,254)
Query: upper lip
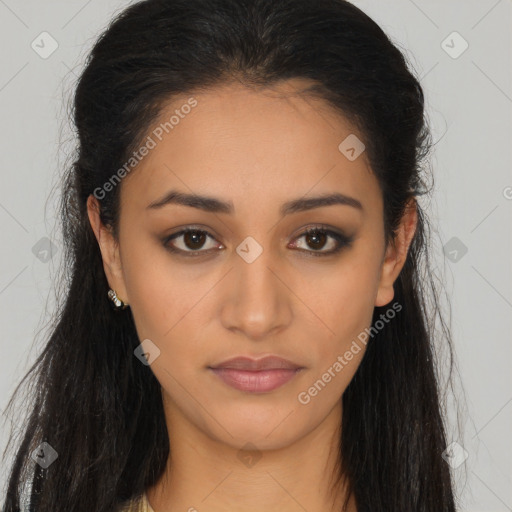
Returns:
(264,363)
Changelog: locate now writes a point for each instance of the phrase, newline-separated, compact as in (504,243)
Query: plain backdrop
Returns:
(460,49)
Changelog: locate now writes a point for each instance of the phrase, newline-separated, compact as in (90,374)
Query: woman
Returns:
(247,324)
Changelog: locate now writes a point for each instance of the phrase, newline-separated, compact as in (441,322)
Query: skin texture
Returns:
(257,149)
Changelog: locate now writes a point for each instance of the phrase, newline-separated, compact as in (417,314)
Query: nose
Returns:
(258,298)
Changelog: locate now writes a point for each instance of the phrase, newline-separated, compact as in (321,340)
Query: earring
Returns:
(118,303)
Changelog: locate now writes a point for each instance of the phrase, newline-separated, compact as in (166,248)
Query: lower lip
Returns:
(255,381)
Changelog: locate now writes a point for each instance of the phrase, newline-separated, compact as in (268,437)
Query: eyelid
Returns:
(342,240)
(184,231)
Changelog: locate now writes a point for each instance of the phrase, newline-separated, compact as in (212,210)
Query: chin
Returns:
(265,429)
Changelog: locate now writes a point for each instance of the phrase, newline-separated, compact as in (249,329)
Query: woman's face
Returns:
(254,283)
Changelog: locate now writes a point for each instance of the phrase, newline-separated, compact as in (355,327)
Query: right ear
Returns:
(109,249)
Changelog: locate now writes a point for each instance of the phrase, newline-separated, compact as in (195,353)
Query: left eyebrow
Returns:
(302,204)
(215,205)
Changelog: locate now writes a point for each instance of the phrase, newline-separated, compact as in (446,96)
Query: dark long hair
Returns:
(91,400)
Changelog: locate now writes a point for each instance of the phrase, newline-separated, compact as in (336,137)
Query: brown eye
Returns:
(317,238)
(193,241)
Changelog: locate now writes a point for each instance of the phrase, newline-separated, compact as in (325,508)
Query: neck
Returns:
(206,474)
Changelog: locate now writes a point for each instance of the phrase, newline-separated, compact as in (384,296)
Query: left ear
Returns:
(396,254)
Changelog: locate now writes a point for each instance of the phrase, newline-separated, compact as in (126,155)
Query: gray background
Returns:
(469,101)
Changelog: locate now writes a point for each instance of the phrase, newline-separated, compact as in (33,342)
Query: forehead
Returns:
(261,146)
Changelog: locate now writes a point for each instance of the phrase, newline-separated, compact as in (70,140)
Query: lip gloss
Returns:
(255,381)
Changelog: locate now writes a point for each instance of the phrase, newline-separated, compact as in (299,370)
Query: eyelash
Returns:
(342,240)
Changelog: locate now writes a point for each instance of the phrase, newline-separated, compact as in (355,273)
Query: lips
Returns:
(265,363)
(256,375)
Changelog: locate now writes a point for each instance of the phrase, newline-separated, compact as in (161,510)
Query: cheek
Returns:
(347,311)
(167,304)
(348,302)
(156,295)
